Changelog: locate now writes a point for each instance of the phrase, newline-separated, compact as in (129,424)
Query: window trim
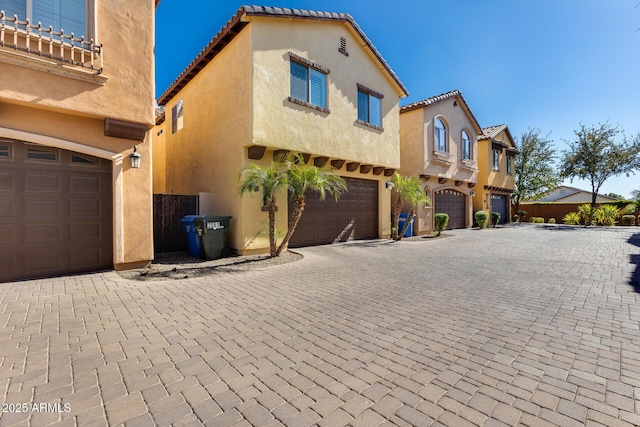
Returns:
(317,67)
(509,166)
(436,140)
(495,160)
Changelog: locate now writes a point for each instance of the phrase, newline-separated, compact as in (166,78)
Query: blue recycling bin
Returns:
(402,221)
(193,237)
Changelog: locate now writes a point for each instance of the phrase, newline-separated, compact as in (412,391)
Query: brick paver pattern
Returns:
(524,325)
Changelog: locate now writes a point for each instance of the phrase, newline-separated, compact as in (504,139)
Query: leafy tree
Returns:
(535,172)
(408,189)
(615,196)
(300,179)
(595,156)
(293,174)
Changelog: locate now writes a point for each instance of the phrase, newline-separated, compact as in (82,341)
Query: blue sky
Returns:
(544,64)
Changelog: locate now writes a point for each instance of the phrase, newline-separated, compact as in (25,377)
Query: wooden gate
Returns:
(168,210)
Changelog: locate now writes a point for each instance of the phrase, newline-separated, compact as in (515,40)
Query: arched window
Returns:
(440,136)
(466,146)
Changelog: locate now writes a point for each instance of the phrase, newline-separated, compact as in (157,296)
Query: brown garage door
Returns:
(55,212)
(353,216)
(452,203)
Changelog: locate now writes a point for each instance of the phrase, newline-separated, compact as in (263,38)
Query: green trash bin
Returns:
(214,235)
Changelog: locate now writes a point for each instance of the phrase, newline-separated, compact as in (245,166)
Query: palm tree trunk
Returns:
(272,228)
(412,213)
(397,207)
(298,207)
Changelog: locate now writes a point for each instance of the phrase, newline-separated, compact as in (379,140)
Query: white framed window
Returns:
(496,159)
(308,84)
(369,107)
(466,146)
(440,135)
(68,15)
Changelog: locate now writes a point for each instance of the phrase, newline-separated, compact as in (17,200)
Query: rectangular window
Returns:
(67,15)
(509,160)
(369,108)
(496,159)
(5,150)
(177,119)
(441,140)
(44,153)
(308,84)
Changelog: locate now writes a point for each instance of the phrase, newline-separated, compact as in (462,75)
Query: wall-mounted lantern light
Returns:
(135,158)
(389,185)
(473,193)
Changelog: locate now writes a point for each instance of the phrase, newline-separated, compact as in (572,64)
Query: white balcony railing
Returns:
(46,42)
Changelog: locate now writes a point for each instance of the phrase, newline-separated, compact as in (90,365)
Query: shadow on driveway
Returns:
(635,260)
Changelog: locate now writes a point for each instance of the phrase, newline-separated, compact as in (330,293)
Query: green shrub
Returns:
(539,220)
(532,219)
(441,219)
(628,220)
(586,214)
(482,218)
(495,218)
(572,218)
(521,213)
(552,221)
(515,218)
(607,215)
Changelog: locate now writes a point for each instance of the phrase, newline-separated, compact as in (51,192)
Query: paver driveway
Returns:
(524,325)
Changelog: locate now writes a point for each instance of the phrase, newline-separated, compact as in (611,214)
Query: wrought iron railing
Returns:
(46,42)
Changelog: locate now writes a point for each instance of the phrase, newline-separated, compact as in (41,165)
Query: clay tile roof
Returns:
(236,24)
(438,98)
(491,131)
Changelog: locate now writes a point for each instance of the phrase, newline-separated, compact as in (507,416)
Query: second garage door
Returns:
(55,212)
(353,216)
(500,204)
(453,204)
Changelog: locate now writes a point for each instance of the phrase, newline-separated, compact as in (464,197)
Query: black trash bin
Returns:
(214,235)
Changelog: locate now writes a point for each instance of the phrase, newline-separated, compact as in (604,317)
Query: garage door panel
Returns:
(56,216)
(40,208)
(84,207)
(7,180)
(43,262)
(7,235)
(7,208)
(85,184)
(43,182)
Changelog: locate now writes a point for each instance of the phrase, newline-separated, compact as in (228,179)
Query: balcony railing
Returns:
(46,42)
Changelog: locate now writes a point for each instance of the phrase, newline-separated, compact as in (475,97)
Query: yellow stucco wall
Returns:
(280,123)
(417,155)
(240,99)
(57,110)
(487,176)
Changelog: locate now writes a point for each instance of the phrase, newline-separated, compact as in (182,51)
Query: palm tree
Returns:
(269,180)
(300,179)
(408,189)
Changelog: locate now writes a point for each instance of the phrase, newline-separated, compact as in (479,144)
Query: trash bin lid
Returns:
(190,218)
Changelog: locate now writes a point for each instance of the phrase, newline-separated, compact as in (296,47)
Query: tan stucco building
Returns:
(71,111)
(438,144)
(496,177)
(284,80)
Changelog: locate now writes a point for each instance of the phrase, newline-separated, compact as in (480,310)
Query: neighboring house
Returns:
(496,155)
(277,80)
(438,143)
(566,194)
(72,111)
